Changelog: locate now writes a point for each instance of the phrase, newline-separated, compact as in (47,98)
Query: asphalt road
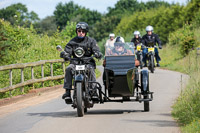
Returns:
(54,116)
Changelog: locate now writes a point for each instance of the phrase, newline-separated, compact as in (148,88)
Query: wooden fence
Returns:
(32,80)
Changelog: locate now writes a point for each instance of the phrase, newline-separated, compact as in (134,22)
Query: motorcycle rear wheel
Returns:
(79,97)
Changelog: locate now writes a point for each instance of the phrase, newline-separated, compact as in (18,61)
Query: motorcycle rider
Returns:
(90,47)
(150,39)
(110,41)
(119,47)
(137,39)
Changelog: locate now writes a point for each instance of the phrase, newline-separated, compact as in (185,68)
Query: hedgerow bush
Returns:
(23,45)
(184,38)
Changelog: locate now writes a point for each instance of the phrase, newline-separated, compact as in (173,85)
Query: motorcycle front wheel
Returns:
(141,64)
(80,102)
(152,63)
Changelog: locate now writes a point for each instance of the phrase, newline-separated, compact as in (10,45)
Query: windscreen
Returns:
(120,49)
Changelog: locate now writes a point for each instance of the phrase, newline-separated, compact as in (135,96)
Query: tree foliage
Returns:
(18,14)
(46,26)
(164,19)
(73,12)
(123,8)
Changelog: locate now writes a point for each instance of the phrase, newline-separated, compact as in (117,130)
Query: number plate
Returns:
(80,67)
(138,48)
(150,49)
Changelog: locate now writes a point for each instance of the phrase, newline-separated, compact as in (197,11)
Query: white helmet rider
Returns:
(119,39)
(149,28)
(136,33)
(112,35)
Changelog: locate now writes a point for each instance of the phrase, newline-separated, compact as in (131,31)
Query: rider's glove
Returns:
(64,55)
(160,47)
(98,55)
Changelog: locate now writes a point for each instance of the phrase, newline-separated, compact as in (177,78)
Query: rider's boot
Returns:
(158,65)
(67,96)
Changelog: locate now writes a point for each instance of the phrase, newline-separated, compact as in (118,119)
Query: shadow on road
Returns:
(64,114)
(71,114)
(110,112)
(156,123)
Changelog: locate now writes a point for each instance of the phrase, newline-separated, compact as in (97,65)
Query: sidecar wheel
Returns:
(145,88)
(85,110)
(79,96)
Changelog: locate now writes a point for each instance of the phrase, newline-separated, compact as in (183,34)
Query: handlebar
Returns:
(81,59)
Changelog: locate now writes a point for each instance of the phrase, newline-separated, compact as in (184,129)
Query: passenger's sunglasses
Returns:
(81,31)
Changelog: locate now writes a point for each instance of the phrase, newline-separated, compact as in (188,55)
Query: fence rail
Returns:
(32,80)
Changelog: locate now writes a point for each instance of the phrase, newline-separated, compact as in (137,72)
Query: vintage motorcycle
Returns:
(139,54)
(123,82)
(84,88)
(150,58)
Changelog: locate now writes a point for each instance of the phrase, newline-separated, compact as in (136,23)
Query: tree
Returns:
(102,28)
(72,12)
(18,14)
(64,12)
(47,25)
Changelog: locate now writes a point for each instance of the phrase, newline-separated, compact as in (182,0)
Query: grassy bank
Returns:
(186,109)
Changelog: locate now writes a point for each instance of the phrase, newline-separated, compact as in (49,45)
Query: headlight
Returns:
(79,52)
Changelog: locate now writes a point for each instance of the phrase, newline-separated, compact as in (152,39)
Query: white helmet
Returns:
(136,33)
(149,28)
(119,39)
(111,35)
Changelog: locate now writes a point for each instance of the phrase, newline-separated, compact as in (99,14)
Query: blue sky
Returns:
(46,7)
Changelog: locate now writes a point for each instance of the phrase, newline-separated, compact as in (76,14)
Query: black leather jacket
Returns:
(87,43)
(151,40)
(136,41)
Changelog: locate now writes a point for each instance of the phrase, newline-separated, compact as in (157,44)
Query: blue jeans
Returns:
(145,51)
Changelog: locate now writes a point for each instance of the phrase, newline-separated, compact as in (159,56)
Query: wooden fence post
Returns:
(63,65)
(42,71)
(32,75)
(22,79)
(10,81)
(51,69)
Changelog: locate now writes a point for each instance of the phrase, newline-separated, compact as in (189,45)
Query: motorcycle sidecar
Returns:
(123,81)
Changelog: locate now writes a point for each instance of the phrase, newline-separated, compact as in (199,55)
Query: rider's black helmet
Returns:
(83,26)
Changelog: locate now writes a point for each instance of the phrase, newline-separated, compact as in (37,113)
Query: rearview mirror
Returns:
(59,48)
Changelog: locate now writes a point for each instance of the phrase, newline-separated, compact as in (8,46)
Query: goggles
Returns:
(81,26)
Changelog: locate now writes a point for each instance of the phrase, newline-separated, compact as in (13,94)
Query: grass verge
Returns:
(186,109)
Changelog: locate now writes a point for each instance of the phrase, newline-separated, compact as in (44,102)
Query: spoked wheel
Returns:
(145,88)
(80,103)
(152,63)
(141,64)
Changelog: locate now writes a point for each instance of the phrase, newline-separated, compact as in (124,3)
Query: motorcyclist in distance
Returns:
(110,41)
(137,39)
(90,47)
(150,39)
